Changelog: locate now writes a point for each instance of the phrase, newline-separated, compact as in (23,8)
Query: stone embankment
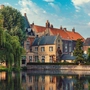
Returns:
(58,67)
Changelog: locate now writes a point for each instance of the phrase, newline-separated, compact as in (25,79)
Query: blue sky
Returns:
(65,13)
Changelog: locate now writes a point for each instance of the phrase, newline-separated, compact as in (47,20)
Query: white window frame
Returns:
(51,59)
(42,49)
(66,47)
(50,48)
(36,48)
(43,59)
(30,58)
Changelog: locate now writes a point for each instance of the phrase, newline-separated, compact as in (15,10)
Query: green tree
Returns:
(88,58)
(78,52)
(13,22)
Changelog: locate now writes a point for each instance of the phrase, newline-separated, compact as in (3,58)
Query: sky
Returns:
(66,13)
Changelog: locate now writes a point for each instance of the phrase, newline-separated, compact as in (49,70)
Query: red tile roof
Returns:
(62,33)
(39,28)
(74,35)
(68,35)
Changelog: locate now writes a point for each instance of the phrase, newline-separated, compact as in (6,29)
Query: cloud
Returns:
(48,0)
(7,4)
(39,15)
(55,6)
(83,4)
(80,2)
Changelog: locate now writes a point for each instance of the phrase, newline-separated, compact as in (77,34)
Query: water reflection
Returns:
(38,81)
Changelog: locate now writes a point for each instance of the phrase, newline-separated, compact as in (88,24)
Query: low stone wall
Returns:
(59,67)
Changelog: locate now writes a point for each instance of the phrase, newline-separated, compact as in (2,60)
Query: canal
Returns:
(45,80)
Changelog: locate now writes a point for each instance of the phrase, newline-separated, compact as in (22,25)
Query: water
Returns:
(45,80)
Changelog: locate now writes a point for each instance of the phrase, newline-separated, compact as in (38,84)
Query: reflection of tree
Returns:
(11,83)
(79,85)
(59,82)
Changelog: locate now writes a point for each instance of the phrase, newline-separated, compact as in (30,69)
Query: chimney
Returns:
(51,26)
(60,27)
(65,29)
(47,24)
(25,15)
(73,30)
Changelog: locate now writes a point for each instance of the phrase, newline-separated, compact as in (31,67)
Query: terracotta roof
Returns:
(68,35)
(62,33)
(39,28)
(74,35)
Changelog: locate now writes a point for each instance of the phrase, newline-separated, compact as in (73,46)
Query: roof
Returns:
(87,42)
(39,29)
(74,35)
(65,34)
(47,40)
(67,57)
(62,33)
(44,40)
(27,25)
(35,42)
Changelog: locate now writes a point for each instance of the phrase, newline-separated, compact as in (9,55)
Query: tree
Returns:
(78,52)
(88,58)
(13,22)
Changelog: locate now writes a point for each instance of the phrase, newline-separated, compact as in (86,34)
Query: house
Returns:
(68,37)
(46,43)
(46,47)
(28,42)
(86,45)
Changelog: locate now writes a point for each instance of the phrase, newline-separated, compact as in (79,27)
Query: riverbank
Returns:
(58,67)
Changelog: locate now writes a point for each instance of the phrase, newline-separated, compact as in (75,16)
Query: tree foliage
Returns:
(10,47)
(78,52)
(13,22)
(88,58)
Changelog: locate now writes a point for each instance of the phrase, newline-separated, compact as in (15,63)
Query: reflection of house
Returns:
(40,82)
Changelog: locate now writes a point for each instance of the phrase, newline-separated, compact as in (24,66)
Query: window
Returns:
(27,45)
(66,47)
(43,58)
(36,48)
(51,58)
(36,58)
(50,48)
(70,46)
(42,49)
(30,58)
(58,40)
(23,59)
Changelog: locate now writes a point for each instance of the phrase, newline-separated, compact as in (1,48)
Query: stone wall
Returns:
(59,67)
